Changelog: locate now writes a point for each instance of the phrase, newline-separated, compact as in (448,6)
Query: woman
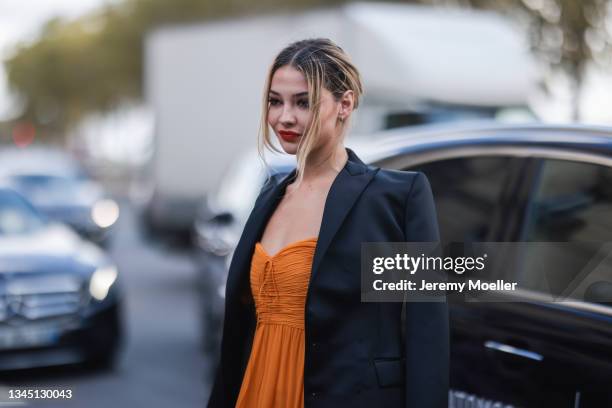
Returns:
(296,333)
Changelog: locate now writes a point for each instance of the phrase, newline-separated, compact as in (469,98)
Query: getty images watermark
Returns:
(486,271)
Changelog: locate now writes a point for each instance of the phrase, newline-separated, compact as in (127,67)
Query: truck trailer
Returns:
(204,83)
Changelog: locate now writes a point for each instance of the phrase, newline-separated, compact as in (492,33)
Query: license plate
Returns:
(22,337)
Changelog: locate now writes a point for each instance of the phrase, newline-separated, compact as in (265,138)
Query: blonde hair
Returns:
(324,65)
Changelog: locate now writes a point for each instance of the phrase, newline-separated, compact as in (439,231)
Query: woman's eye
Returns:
(303,103)
(273,101)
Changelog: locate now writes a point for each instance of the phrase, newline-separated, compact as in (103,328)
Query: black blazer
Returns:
(356,354)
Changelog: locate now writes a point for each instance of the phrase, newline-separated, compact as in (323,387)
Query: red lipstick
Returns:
(288,136)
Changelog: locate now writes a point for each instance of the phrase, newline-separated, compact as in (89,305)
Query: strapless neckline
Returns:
(286,247)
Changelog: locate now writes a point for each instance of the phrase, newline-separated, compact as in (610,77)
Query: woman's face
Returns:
(289,114)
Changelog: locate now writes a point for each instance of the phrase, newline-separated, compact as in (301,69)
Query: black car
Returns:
(522,184)
(59,294)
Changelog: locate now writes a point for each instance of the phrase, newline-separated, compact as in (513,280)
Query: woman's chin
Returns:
(289,148)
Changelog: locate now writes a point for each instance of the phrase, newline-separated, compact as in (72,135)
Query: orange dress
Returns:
(274,375)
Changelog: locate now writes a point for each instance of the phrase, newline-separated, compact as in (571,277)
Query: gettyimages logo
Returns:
(411,264)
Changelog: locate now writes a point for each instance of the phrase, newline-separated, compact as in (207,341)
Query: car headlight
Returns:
(105,213)
(101,281)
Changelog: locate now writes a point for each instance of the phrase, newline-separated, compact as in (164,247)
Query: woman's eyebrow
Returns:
(297,95)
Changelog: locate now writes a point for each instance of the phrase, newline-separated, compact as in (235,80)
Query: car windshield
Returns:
(240,186)
(238,189)
(33,182)
(17,216)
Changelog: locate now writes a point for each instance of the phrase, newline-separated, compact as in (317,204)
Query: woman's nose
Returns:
(287,116)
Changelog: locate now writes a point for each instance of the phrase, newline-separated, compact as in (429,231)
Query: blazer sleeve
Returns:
(218,391)
(421,220)
(426,323)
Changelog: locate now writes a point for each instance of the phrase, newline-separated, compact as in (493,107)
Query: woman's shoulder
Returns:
(392,174)
(400,180)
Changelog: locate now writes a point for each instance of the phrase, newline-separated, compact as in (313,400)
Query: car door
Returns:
(561,352)
(479,197)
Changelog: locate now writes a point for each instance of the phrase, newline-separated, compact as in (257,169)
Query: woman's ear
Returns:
(347,102)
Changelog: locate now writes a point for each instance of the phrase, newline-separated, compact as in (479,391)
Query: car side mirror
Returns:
(222,218)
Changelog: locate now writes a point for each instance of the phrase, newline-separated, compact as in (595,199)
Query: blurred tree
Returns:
(567,35)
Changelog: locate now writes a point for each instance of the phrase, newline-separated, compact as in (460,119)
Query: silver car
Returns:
(216,232)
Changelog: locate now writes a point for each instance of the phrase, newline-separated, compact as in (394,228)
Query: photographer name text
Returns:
(424,285)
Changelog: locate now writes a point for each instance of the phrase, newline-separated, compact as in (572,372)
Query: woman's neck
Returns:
(325,163)
(321,170)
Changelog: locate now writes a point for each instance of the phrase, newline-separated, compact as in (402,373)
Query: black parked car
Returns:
(519,184)
(59,295)
(522,184)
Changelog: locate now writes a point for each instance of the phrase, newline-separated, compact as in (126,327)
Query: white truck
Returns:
(204,83)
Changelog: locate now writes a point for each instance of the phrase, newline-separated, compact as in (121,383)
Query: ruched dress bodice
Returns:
(274,376)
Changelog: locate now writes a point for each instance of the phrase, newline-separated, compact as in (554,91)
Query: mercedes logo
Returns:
(14,305)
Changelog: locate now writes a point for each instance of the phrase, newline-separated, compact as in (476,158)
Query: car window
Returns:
(32,183)
(571,202)
(468,194)
(17,216)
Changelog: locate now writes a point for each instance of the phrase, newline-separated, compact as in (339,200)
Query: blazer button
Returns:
(314,345)
(314,394)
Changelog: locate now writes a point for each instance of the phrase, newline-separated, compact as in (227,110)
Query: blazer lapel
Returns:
(343,193)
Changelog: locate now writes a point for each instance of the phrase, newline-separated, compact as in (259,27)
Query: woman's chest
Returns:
(295,218)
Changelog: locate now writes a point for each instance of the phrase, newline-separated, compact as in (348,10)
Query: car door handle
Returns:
(506,348)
